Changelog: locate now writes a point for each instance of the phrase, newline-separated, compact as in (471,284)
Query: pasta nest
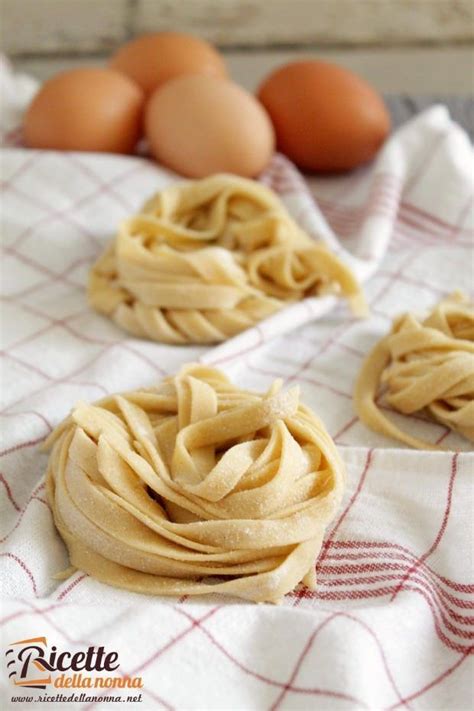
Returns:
(423,365)
(195,487)
(207,259)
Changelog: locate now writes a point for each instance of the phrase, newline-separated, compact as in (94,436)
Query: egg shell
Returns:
(199,125)
(326,118)
(87,109)
(153,59)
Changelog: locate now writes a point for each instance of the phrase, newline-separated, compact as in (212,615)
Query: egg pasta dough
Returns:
(425,365)
(195,486)
(206,259)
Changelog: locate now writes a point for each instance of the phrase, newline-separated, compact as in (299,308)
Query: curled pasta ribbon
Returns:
(195,487)
(424,365)
(207,259)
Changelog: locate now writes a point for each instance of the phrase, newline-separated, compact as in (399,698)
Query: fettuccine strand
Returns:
(424,365)
(209,258)
(195,487)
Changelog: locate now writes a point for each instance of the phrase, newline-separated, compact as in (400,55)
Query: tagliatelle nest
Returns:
(209,258)
(195,487)
(425,365)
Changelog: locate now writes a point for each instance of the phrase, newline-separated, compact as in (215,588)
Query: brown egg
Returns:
(326,118)
(198,125)
(88,109)
(151,60)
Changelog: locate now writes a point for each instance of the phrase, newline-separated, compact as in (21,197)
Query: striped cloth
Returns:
(391,623)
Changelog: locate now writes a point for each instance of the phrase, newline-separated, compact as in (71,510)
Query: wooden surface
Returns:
(402,107)
(94,26)
(409,70)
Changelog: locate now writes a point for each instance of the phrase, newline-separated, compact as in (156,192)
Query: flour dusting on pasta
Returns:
(206,259)
(424,365)
(195,486)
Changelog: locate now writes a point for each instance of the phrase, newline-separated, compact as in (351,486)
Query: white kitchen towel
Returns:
(391,624)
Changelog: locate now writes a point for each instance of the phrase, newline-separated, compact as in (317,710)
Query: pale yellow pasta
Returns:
(424,365)
(195,487)
(209,258)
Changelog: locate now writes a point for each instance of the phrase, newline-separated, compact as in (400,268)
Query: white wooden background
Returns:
(400,46)
(95,26)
